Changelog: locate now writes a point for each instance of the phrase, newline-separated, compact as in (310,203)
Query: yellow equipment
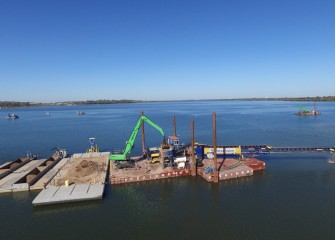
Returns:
(94,146)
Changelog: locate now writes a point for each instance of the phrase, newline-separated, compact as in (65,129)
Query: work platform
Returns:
(81,178)
(230,168)
(168,173)
(144,171)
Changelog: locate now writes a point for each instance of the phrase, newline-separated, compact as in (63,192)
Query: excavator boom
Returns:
(130,143)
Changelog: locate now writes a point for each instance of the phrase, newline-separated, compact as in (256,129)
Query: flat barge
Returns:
(144,171)
(231,168)
(81,178)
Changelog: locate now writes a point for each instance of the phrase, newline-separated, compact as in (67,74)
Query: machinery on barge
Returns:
(123,156)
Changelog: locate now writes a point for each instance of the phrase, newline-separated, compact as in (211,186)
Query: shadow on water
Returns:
(66,207)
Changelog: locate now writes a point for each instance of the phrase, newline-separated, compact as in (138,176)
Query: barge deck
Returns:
(143,171)
(81,178)
(9,183)
(231,168)
(9,167)
(21,174)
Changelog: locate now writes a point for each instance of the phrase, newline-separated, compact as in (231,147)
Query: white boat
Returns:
(12,116)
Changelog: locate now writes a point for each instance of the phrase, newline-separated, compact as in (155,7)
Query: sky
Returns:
(70,50)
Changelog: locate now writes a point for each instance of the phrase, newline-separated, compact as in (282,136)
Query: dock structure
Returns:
(21,175)
(81,178)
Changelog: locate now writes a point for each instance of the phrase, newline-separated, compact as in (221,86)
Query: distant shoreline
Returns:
(13,104)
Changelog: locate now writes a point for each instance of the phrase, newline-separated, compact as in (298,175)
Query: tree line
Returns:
(11,104)
(293,99)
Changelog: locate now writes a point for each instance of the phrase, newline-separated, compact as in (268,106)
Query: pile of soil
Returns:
(13,165)
(83,170)
(86,168)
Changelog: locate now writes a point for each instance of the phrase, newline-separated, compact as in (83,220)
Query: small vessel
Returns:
(47,113)
(80,113)
(12,116)
(305,112)
(308,113)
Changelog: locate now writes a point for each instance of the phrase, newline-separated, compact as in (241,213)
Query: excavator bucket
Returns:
(165,145)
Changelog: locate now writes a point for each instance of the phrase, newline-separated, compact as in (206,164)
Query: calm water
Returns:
(293,199)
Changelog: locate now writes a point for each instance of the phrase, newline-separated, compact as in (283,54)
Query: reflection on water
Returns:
(68,207)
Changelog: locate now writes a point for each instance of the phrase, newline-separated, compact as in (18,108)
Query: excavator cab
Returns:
(174,141)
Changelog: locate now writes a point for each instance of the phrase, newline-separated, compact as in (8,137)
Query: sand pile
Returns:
(86,168)
(82,170)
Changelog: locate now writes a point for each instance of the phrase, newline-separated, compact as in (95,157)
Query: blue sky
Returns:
(165,49)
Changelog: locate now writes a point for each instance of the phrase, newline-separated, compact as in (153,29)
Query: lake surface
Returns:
(293,199)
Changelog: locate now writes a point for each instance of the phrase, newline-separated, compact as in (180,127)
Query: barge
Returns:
(10,167)
(305,112)
(21,174)
(81,178)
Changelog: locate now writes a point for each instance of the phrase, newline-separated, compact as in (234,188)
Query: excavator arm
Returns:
(130,143)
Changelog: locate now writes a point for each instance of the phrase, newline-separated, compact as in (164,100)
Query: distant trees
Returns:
(101,101)
(15,104)
(105,101)
(310,99)
(11,104)
(299,99)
